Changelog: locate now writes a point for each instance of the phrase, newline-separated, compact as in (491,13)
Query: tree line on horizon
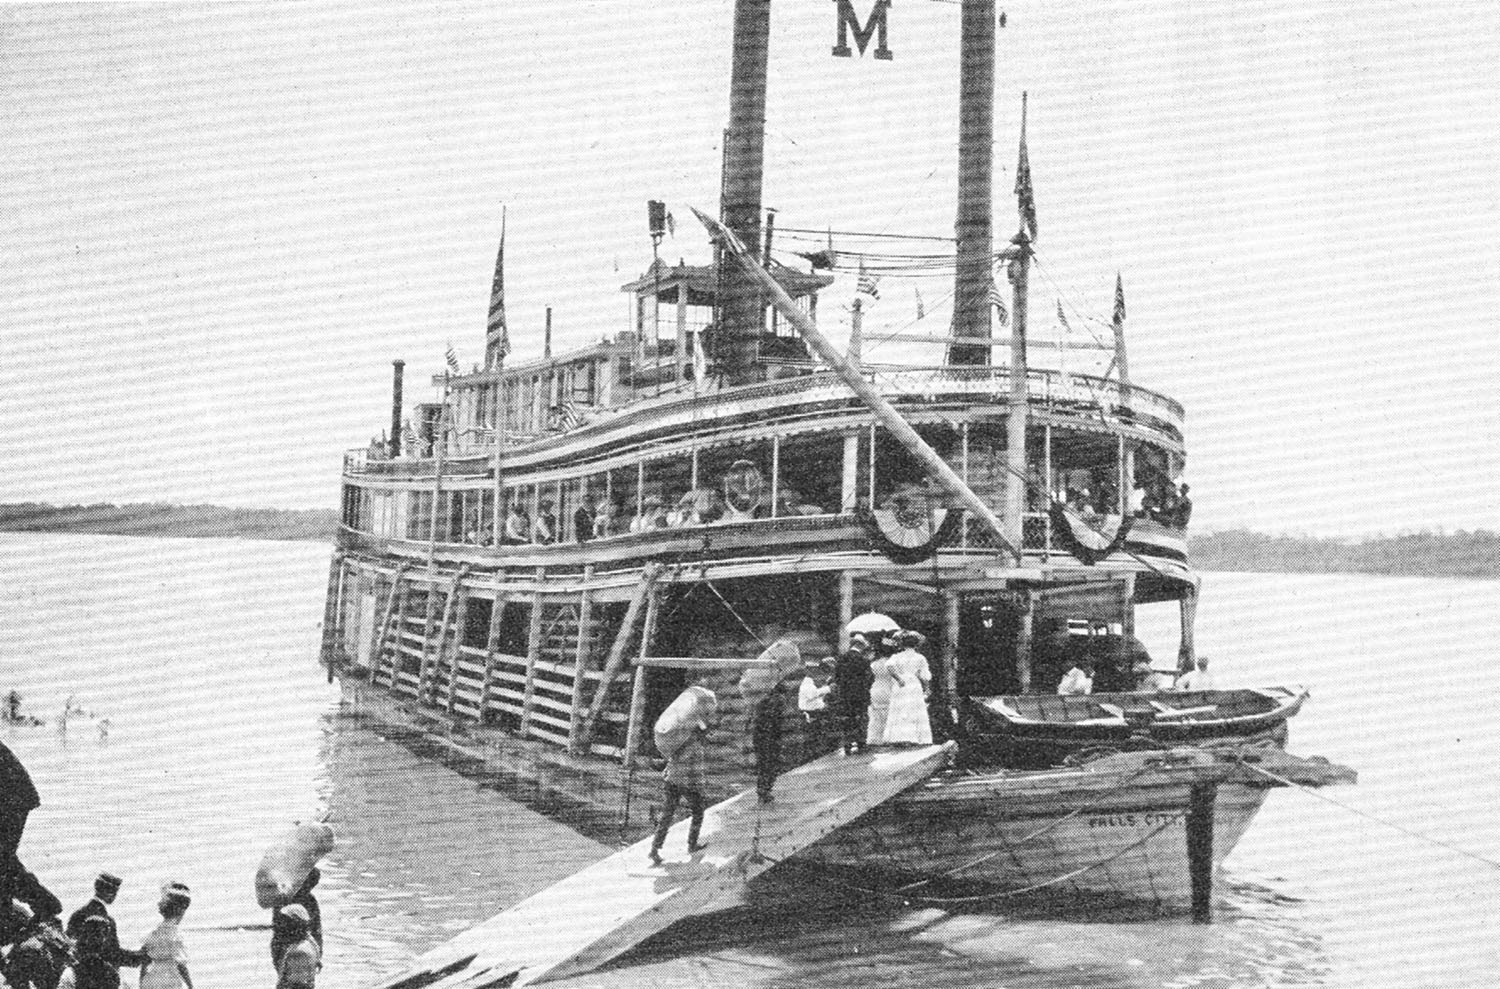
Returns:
(1425,554)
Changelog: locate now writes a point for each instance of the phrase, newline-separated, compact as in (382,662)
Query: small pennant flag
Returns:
(1025,200)
(1119,300)
(452,358)
(1063,319)
(868,283)
(921,309)
(1002,315)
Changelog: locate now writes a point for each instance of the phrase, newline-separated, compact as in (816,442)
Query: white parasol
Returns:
(873,621)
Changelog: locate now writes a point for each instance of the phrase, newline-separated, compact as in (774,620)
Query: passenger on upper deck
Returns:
(517,527)
(606,519)
(789,502)
(583,522)
(544,529)
(653,516)
(1184,511)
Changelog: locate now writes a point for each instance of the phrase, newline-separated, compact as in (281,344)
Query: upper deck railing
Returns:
(1047,389)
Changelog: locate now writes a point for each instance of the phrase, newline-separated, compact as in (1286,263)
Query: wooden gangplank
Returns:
(599,913)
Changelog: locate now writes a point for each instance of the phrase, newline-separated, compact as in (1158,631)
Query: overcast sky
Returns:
(223,221)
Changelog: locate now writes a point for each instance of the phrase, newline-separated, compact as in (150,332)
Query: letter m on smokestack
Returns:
(849,21)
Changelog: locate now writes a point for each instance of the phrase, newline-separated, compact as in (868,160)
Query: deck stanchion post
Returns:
(951,601)
(846,607)
(1200,849)
(428,616)
(637,715)
(533,653)
(333,608)
(491,647)
(460,620)
(645,591)
(390,623)
(580,666)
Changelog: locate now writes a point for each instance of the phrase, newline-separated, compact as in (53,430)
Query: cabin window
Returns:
(811,477)
(900,476)
(1086,471)
(737,479)
(419,515)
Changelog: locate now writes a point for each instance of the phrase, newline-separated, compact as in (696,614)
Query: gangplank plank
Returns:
(604,910)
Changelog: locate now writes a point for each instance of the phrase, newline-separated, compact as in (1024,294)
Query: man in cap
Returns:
(106,887)
(852,678)
(298,966)
(282,935)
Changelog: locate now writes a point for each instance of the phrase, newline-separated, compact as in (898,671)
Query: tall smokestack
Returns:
(740,311)
(974,225)
(397,367)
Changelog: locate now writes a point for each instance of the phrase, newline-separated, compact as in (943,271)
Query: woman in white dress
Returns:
(881,688)
(906,721)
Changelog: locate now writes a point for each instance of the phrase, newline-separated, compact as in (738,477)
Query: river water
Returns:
(202,727)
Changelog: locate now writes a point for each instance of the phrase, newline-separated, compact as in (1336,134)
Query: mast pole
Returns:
(1019,409)
(974,225)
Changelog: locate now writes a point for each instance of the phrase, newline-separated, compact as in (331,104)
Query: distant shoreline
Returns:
(191,521)
(1461,554)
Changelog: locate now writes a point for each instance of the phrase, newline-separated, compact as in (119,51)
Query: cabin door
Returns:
(988,626)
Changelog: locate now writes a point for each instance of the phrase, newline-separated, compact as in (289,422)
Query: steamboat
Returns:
(554,548)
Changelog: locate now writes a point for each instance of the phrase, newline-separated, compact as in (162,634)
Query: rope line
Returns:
(1378,820)
(1002,894)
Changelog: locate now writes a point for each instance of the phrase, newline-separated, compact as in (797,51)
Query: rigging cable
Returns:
(1378,820)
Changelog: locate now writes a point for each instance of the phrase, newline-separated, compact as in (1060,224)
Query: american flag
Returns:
(997,299)
(1062,318)
(452,358)
(497,336)
(1119,300)
(868,283)
(1025,201)
(565,416)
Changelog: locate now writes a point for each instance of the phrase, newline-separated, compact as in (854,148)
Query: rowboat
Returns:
(1046,729)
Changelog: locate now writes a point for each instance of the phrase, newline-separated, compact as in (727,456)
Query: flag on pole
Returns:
(997,299)
(921,309)
(497,336)
(452,358)
(1119,300)
(1025,202)
(868,283)
(1062,318)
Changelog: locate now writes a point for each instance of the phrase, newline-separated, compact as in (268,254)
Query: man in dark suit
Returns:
(18,798)
(106,888)
(851,691)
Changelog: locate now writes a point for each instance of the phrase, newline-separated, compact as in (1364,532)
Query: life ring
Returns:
(906,533)
(1088,543)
